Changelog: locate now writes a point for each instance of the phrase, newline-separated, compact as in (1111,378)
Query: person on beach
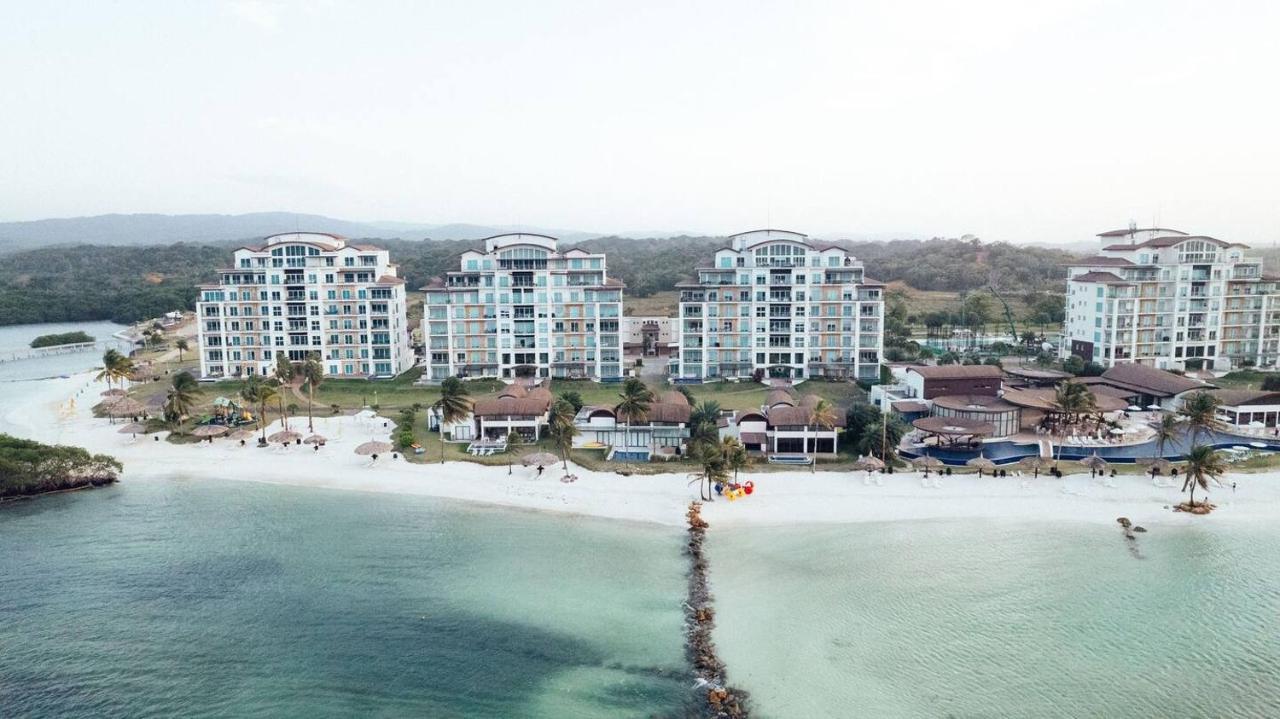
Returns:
(540,468)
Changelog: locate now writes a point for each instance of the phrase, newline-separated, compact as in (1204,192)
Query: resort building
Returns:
(662,432)
(1171,300)
(301,293)
(514,408)
(1248,408)
(518,307)
(786,425)
(650,336)
(1144,386)
(776,303)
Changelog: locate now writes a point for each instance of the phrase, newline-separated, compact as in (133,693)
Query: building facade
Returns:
(301,293)
(1171,300)
(648,336)
(774,301)
(520,308)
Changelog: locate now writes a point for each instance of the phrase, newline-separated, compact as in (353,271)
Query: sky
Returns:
(1013,120)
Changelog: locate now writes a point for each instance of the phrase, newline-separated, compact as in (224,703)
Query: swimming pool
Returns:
(1008,452)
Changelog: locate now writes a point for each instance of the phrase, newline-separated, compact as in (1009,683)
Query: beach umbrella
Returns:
(114,393)
(1094,462)
(373,447)
(982,464)
(927,463)
(133,428)
(1134,408)
(1160,464)
(287,436)
(210,430)
(1154,407)
(870,463)
(1034,463)
(1259,445)
(126,407)
(241,435)
(315,439)
(535,459)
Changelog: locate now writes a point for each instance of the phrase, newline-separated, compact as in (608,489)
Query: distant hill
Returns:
(155,229)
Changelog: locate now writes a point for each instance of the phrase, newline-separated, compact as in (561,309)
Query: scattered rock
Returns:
(1124,522)
(1139,529)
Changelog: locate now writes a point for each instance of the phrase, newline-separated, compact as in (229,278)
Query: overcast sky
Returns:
(1014,120)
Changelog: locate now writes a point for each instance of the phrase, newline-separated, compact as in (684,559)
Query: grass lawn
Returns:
(1243,379)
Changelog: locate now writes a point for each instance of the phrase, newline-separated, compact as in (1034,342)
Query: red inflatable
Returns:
(749,487)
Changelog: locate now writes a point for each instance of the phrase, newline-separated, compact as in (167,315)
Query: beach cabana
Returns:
(373,448)
(133,428)
(241,435)
(1034,463)
(870,463)
(536,459)
(316,440)
(209,431)
(1093,461)
(126,407)
(954,430)
(114,393)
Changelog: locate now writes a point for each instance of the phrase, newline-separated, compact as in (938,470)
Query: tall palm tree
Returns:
(1200,411)
(181,397)
(312,373)
(823,417)
(635,399)
(1070,399)
(284,374)
(562,429)
(1203,464)
(1166,431)
(735,455)
(110,361)
(452,406)
(712,469)
(513,440)
(182,346)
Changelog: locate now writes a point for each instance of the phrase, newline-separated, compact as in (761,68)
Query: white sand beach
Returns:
(44,413)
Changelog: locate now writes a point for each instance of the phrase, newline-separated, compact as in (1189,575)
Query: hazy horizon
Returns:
(1028,122)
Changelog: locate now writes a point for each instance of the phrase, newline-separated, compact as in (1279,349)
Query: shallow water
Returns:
(16,340)
(204,598)
(983,619)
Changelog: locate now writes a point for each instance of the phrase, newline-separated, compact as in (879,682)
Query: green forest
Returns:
(28,467)
(126,284)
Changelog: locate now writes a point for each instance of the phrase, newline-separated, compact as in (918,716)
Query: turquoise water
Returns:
(982,619)
(217,598)
(15,340)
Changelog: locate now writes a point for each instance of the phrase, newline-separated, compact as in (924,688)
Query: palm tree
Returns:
(182,346)
(452,406)
(1166,431)
(513,440)
(1203,464)
(703,422)
(735,455)
(881,436)
(110,361)
(284,374)
(180,398)
(255,391)
(562,429)
(635,400)
(312,373)
(823,417)
(711,462)
(1200,411)
(1070,399)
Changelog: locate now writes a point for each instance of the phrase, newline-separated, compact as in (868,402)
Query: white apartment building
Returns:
(1171,300)
(772,300)
(520,308)
(301,293)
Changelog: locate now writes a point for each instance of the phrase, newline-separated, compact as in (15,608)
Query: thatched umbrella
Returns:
(539,459)
(287,436)
(1034,463)
(241,435)
(981,464)
(315,439)
(133,428)
(374,448)
(870,463)
(1159,465)
(1093,461)
(126,407)
(210,431)
(926,463)
(114,393)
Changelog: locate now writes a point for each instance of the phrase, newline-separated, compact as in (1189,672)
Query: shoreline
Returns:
(781,498)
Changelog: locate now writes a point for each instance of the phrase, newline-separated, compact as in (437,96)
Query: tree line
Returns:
(124,284)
